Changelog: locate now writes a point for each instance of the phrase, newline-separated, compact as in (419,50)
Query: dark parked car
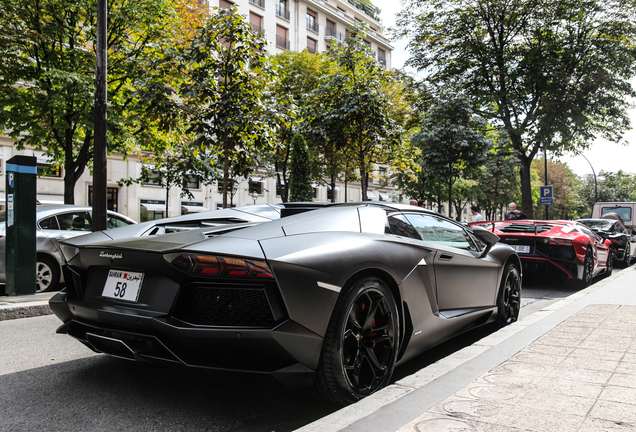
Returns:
(612,228)
(53,223)
(332,299)
(555,247)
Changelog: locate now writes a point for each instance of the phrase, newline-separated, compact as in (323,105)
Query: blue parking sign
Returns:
(546,192)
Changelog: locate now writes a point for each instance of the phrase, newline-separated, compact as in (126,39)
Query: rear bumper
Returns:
(289,351)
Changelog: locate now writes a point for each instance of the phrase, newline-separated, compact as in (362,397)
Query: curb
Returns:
(345,418)
(24,310)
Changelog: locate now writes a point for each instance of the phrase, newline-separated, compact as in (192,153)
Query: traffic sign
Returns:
(546,201)
(546,191)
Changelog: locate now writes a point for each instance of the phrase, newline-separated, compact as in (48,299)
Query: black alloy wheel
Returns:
(361,343)
(627,256)
(509,298)
(588,270)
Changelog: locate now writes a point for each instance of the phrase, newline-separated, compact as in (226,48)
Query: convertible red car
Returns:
(565,248)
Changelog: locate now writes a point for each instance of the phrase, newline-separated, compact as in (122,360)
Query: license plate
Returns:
(521,249)
(123,285)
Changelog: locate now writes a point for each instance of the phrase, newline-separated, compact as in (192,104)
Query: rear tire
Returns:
(47,274)
(610,264)
(627,257)
(588,271)
(361,344)
(509,298)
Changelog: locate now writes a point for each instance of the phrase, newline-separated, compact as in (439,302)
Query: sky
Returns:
(601,156)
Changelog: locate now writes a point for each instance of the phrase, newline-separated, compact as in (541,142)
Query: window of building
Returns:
(256,21)
(382,57)
(280,189)
(49,171)
(312,21)
(281,37)
(330,28)
(112,194)
(194,182)
(256,185)
(151,210)
(224,4)
(312,45)
(259,3)
(281,9)
(230,185)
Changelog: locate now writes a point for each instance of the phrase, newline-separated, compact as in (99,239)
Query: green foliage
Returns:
(175,166)
(564,183)
(300,188)
(498,180)
(225,93)
(298,74)
(47,75)
(453,143)
(555,72)
(612,187)
(351,110)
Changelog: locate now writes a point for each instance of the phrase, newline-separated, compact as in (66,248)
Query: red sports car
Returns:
(567,248)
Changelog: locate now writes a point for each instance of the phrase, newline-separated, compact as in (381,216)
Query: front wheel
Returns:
(361,344)
(509,298)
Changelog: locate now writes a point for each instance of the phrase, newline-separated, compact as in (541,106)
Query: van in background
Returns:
(626,210)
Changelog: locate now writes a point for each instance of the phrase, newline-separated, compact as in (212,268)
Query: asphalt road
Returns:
(51,382)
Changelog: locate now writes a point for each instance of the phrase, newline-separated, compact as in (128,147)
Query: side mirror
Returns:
(486,237)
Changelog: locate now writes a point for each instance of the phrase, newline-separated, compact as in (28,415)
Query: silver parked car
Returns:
(54,223)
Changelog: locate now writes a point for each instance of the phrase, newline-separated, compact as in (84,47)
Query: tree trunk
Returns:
(526,189)
(226,169)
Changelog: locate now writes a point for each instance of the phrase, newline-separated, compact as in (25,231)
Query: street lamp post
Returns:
(595,183)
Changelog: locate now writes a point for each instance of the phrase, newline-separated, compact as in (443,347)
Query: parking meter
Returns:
(20,252)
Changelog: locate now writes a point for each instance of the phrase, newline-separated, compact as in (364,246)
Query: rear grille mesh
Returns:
(525,228)
(224,307)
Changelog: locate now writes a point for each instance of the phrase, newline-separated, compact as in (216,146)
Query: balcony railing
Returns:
(283,43)
(256,28)
(372,11)
(259,3)
(331,32)
(312,24)
(382,61)
(282,12)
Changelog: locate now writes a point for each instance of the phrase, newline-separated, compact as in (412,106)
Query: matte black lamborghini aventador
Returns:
(332,299)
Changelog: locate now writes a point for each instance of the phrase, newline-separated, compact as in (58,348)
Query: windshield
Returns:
(624,212)
(597,224)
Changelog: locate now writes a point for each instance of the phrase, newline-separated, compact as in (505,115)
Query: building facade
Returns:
(287,25)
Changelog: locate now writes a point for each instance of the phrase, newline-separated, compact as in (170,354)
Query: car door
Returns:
(463,279)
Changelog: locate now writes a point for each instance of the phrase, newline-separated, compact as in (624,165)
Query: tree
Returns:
(300,188)
(612,187)
(556,72)
(453,142)
(498,180)
(47,70)
(351,109)
(175,166)
(298,74)
(563,182)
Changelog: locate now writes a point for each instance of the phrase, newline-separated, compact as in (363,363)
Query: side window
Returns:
(399,225)
(49,223)
(78,221)
(438,230)
(114,222)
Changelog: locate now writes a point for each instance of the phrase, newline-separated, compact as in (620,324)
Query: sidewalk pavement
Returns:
(570,366)
(24,306)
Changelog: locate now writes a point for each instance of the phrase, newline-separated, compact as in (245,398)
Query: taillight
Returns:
(210,265)
(557,241)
